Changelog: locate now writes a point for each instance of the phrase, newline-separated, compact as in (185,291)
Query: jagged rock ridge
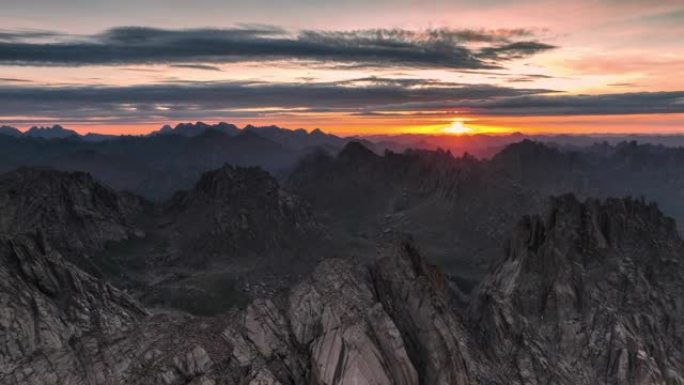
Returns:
(156,166)
(590,290)
(241,211)
(48,307)
(54,132)
(77,215)
(236,230)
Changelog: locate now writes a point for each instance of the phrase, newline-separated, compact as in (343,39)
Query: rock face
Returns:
(48,307)
(351,338)
(348,323)
(417,297)
(590,291)
(77,215)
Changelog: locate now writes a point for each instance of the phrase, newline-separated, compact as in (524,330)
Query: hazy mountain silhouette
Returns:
(54,132)
(155,166)
(190,129)
(459,208)
(9,131)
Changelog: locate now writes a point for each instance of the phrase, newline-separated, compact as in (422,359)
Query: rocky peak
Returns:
(356,152)
(527,155)
(166,129)
(237,208)
(231,184)
(612,223)
(589,290)
(527,148)
(195,129)
(75,213)
(9,130)
(54,132)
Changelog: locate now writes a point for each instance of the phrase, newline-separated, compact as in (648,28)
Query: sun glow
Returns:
(457,128)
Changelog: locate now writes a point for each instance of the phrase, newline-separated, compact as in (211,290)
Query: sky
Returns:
(345,66)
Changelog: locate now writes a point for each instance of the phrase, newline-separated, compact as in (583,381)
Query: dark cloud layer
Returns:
(367,96)
(438,48)
(515,50)
(377,91)
(210,99)
(23,35)
(606,104)
(203,67)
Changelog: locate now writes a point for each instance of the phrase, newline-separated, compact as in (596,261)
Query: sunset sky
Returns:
(347,67)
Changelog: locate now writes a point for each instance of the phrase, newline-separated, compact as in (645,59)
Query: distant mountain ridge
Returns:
(290,136)
(194,129)
(163,162)
(54,132)
(459,209)
(293,138)
(10,131)
(482,145)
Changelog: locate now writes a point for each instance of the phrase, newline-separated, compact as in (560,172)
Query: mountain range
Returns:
(351,266)
(461,207)
(589,290)
(296,138)
(234,226)
(154,166)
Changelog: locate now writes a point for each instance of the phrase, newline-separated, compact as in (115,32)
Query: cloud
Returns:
(204,67)
(26,34)
(186,100)
(512,78)
(435,48)
(606,104)
(517,50)
(363,96)
(14,80)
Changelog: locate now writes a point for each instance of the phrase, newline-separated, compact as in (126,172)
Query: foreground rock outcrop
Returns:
(49,309)
(590,293)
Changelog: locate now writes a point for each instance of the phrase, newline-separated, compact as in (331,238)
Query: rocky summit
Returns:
(238,210)
(590,292)
(75,213)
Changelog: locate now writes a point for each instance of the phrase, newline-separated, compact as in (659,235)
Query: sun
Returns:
(457,128)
